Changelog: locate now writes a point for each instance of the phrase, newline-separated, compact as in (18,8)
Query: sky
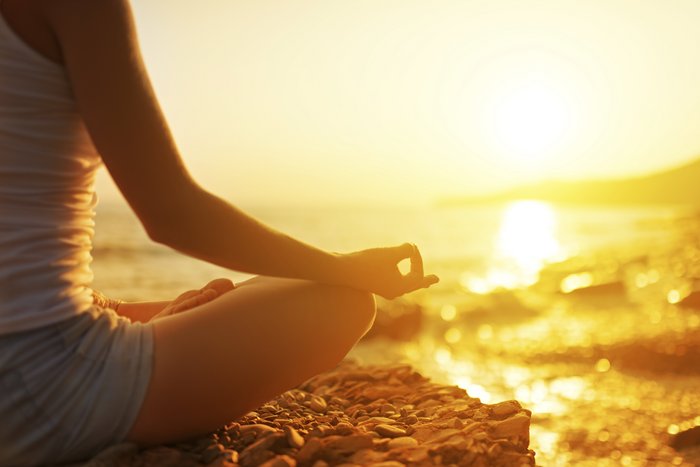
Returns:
(409,101)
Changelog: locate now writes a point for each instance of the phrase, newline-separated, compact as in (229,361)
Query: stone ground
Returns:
(386,416)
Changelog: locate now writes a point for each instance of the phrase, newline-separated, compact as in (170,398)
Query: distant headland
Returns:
(680,185)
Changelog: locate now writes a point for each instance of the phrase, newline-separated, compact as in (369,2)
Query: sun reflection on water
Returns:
(525,242)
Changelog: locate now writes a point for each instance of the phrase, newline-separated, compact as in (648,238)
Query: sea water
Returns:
(580,313)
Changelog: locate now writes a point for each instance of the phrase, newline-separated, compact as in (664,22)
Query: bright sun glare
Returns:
(523,111)
(527,240)
(529,121)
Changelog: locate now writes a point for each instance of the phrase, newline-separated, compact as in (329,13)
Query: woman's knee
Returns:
(355,309)
(341,312)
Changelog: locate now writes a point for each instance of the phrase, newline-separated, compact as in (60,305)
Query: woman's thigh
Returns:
(218,361)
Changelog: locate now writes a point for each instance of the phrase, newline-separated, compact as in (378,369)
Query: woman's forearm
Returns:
(135,311)
(208,228)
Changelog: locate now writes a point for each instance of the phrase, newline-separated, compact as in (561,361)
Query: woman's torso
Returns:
(47,169)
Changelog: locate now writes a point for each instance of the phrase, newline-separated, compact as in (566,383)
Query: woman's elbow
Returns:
(168,220)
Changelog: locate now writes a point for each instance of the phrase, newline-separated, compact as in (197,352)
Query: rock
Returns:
(357,416)
(346,445)
(402,442)
(309,452)
(414,456)
(230,455)
(517,425)
(343,428)
(692,300)
(411,419)
(280,461)
(202,444)
(256,458)
(294,439)
(258,429)
(606,291)
(686,439)
(221,462)
(367,457)
(318,404)
(263,444)
(389,431)
(378,420)
(442,435)
(210,454)
(505,408)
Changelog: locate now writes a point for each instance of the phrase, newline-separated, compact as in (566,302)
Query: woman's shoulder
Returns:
(36,21)
(28,20)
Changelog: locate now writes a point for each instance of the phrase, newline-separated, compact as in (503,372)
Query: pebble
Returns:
(402,442)
(280,461)
(348,444)
(257,428)
(389,431)
(318,404)
(212,453)
(294,439)
(221,462)
(386,416)
(230,455)
(309,451)
(517,425)
(411,419)
(505,408)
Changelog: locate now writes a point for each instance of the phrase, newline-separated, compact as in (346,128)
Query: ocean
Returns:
(586,315)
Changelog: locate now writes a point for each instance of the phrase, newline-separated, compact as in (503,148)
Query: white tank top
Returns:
(47,197)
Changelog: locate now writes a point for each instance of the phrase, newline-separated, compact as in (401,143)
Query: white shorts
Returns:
(70,389)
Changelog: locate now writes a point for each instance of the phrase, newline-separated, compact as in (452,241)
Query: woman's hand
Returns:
(194,298)
(376,270)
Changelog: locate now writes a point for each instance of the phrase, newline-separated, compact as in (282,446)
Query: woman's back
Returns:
(47,168)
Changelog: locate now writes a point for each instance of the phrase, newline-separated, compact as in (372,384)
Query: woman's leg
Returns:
(224,358)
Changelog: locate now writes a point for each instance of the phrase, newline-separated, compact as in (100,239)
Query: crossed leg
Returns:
(226,357)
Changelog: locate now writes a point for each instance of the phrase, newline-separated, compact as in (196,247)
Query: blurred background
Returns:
(543,155)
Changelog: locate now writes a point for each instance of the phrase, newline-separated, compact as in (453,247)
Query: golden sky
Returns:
(405,101)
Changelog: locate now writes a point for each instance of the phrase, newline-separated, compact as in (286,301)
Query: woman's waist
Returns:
(32,300)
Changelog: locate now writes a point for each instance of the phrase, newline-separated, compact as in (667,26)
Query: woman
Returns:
(78,371)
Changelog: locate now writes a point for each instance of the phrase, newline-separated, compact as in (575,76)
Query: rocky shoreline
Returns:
(387,416)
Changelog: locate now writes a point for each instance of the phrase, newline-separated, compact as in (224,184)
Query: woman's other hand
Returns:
(194,298)
(376,270)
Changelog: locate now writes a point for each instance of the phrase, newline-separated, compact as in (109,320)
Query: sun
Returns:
(526,111)
(529,122)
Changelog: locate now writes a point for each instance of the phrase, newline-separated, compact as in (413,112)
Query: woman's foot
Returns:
(194,298)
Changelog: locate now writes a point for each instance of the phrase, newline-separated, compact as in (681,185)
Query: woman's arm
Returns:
(135,311)
(100,51)
(147,311)
(141,312)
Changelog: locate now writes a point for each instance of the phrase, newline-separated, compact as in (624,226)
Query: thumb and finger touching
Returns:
(415,278)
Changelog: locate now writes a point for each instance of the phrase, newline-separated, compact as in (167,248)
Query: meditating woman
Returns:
(78,371)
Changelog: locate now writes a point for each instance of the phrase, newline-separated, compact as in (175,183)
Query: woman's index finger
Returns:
(416,262)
